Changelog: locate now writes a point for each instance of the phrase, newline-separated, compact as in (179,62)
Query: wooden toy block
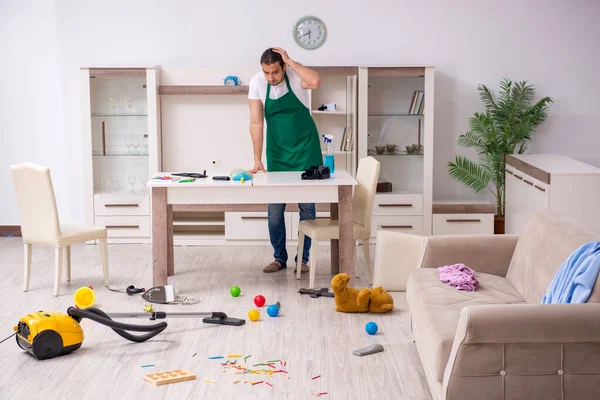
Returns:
(172,376)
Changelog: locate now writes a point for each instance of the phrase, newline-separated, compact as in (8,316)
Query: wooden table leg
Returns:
(170,249)
(335,244)
(159,236)
(347,242)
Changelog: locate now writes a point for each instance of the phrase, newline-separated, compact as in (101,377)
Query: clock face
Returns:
(310,33)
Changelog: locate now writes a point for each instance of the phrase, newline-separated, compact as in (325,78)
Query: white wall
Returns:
(550,43)
(31,113)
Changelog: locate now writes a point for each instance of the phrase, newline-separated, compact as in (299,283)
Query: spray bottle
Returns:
(329,158)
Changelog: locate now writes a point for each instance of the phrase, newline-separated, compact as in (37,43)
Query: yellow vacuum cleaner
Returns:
(48,335)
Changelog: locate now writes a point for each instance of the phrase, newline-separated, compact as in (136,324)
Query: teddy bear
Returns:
(351,300)
(381,301)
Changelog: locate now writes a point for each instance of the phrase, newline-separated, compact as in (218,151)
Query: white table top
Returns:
(261,179)
(557,164)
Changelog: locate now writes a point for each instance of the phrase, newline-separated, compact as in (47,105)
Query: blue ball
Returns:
(371,328)
(273,310)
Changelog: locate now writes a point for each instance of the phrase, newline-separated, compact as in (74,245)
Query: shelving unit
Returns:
(386,94)
(120,124)
(338,85)
(194,108)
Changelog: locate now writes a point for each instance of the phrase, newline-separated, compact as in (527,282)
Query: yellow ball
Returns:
(254,315)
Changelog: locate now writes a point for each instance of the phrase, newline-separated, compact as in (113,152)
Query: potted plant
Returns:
(504,128)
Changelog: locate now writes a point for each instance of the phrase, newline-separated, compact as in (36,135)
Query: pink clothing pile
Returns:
(459,276)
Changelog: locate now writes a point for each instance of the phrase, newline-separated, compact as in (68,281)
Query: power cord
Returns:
(4,340)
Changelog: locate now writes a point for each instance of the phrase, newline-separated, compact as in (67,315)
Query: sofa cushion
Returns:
(546,241)
(435,309)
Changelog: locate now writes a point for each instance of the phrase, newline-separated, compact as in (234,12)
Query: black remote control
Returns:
(221,178)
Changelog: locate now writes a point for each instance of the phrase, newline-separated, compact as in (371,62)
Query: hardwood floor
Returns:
(308,335)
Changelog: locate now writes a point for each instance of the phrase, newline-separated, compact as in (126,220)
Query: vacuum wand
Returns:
(211,317)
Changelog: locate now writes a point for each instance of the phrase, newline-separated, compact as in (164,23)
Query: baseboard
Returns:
(10,231)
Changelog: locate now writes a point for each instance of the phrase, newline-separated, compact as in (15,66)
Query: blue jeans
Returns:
(277,231)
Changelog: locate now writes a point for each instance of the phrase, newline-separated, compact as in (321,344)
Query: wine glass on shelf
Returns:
(113,102)
(145,142)
(132,181)
(128,141)
(129,101)
(115,184)
(136,142)
(143,181)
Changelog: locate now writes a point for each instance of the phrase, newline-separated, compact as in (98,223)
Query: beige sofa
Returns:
(500,342)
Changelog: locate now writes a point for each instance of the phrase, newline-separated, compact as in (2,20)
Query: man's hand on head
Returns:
(284,54)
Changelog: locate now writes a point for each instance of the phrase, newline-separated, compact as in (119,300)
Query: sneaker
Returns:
(273,267)
(304,269)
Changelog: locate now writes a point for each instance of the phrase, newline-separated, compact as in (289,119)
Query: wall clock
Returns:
(310,32)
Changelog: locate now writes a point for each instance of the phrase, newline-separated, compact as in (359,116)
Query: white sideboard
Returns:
(550,181)
(455,217)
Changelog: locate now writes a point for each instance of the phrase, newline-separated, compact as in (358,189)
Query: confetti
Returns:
(269,384)
(272,361)
(148,365)
(256,383)
(194,355)
(234,355)
(215,357)
(245,358)
(315,377)
(207,381)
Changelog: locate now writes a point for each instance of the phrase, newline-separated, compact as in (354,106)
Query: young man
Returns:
(279,95)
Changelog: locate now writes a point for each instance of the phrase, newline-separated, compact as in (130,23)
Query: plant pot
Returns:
(498,225)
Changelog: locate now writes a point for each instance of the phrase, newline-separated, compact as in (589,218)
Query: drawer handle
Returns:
(395,205)
(539,188)
(255,217)
(322,218)
(122,226)
(463,220)
(518,176)
(121,205)
(527,182)
(396,226)
(508,171)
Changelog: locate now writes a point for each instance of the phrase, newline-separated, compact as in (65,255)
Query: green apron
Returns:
(292,136)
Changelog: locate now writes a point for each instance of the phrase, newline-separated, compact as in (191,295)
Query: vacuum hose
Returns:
(120,328)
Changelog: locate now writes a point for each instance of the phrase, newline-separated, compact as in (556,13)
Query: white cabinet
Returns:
(455,217)
(395,124)
(251,225)
(550,181)
(122,147)
(463,224)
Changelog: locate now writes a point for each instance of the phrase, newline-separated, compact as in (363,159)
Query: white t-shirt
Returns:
(258,88)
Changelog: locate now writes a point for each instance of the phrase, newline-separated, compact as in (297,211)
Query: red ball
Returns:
(259,300)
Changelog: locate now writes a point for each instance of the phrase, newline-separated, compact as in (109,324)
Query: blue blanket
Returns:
(576,277)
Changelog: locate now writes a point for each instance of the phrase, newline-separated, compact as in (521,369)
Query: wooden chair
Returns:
(40,222)
(367,176)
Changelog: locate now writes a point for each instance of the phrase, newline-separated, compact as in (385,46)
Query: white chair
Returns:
(367,176)
(40,222)
(397,254)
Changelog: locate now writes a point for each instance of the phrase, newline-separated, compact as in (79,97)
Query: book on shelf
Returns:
(346,140)
(417,102)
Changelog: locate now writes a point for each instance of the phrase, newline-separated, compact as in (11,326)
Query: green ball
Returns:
(235,291)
